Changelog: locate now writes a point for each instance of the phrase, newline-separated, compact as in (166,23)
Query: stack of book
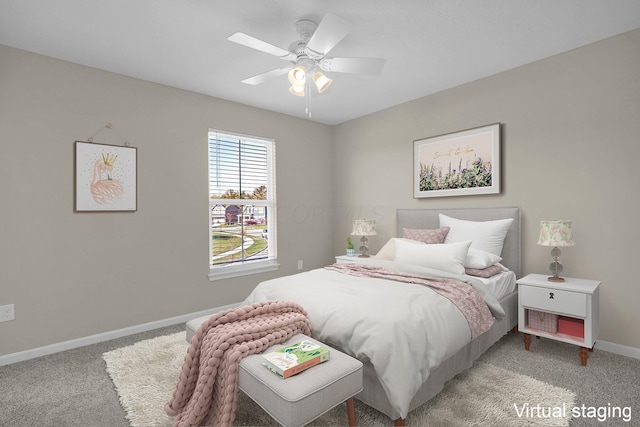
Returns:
(295,358)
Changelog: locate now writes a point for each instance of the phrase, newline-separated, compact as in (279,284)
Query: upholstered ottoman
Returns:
(298,400)
(193,325)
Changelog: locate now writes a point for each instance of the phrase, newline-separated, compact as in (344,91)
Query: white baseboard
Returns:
(623,350)
(105,336)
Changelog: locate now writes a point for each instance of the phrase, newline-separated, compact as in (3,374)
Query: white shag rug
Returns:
(145,375)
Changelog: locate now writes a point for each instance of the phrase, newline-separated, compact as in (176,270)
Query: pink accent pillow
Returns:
(426,236)
(485,272)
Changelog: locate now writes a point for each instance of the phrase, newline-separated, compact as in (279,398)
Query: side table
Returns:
(344,259)
(572,304)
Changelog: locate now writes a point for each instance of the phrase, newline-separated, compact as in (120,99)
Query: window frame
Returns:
(246,267)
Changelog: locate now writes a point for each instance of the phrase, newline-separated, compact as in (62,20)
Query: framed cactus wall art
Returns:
(458,164)
(105,178)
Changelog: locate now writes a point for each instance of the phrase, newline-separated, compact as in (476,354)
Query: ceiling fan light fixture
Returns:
(298,75)
(322,82)
(297,90)
(308,56)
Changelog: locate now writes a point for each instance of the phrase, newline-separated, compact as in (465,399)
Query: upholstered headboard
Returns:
(428,219)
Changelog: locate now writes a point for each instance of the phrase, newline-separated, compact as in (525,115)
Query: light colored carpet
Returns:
(145,375)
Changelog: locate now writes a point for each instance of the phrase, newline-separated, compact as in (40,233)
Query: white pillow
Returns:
(485,235)
(388,251)
(479,259)
(446,257)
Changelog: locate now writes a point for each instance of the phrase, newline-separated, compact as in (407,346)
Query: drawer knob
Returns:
(550,295)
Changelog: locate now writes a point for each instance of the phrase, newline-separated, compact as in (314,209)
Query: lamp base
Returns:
(363,247)
(555,267)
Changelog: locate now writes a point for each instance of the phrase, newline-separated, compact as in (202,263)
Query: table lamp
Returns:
(556,233)
(364,228)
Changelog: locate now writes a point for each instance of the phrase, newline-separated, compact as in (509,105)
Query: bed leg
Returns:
(399,422)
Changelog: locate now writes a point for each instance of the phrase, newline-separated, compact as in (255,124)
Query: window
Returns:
(242,205)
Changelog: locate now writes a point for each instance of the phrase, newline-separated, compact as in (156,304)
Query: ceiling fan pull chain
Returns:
(307,90)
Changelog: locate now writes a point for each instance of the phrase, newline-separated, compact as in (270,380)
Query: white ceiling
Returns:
(429,45)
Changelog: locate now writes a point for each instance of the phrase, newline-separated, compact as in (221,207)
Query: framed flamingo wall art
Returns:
(105,178)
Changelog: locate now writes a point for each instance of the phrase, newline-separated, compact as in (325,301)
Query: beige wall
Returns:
(570,150)
(72,275)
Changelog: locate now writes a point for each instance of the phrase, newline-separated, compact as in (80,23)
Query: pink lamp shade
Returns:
(556,233)
(364,227)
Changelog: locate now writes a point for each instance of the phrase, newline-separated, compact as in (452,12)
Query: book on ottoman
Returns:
(295,358)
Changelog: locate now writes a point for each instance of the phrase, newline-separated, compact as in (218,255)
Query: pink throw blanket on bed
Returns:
(207,388)
(461,294)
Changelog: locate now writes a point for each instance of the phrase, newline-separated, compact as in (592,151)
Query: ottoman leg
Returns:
(351,411)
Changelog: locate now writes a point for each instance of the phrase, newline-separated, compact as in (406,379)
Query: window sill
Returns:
(230,271)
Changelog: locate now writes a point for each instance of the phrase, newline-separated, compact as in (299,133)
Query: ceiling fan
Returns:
(308,55)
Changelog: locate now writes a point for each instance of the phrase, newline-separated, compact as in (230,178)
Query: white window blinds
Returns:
(241,199)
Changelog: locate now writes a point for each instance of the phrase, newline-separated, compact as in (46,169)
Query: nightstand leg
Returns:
(527,341)
(584,355)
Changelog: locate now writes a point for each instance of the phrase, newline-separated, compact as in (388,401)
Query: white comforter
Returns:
(404,330)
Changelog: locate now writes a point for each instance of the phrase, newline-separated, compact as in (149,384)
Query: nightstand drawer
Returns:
(554,300)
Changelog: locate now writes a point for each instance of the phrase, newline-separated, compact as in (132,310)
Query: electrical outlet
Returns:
(299,264)
(7,312)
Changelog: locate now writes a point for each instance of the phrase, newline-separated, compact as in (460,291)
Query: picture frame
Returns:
(105,178)
(461,163)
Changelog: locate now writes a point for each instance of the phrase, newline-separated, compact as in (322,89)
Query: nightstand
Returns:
(575,304)
(343,259)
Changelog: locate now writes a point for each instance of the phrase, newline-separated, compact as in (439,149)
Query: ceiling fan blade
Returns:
(261,78)
(330,31)
(371,66)
(254,43)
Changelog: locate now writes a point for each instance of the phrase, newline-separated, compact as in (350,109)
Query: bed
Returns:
(373,395)
(396,382)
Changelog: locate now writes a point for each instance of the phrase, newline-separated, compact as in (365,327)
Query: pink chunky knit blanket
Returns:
(207,388)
